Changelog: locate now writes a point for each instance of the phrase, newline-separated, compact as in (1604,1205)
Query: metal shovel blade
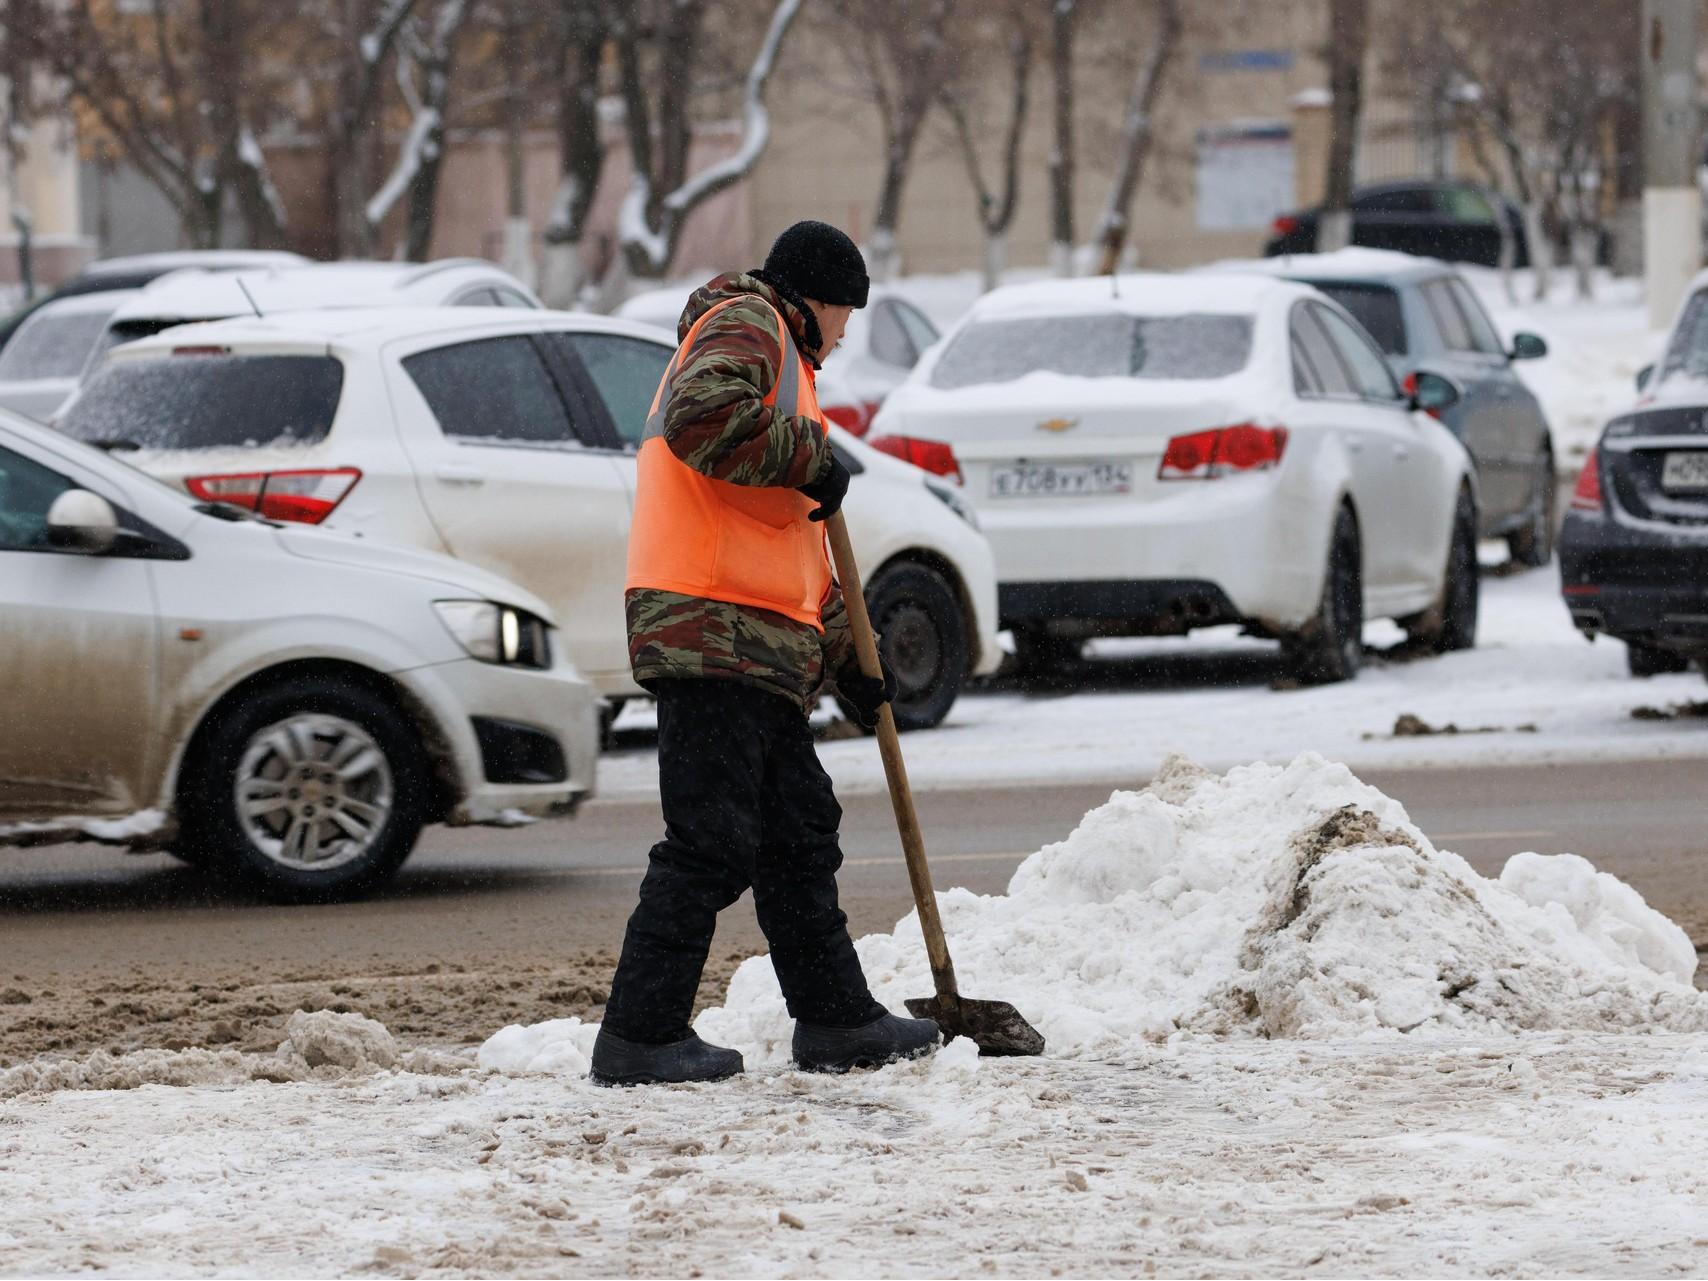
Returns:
(994,1026)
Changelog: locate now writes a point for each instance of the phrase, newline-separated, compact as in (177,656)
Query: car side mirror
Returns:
(1431,392)
(1644,375)
(1528,347)
(82,522)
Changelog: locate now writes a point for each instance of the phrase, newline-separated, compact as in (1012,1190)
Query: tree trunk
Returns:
(581,152)
(1061,152)
(1541,249)
(995,258)
(1348,36)
(652,217)
(1136,135)
(518,253)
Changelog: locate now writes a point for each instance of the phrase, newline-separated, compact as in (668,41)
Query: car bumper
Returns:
(1247,549)
(1636,583)
(520,743)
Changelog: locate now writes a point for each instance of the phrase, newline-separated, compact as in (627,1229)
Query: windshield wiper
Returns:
(110,443)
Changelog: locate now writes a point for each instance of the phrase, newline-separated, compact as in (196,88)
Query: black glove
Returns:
(866,694)
(828,490)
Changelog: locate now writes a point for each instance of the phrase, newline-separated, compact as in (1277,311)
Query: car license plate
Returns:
(1061,480)
(1685,470)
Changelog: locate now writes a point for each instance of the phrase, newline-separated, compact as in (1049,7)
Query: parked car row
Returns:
(1144,455)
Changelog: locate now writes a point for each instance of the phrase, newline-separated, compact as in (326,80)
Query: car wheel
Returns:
(608,714)
(310,791)
(922,635)
(1453,625)
(1533,545)
(1331,646)
(1651,660)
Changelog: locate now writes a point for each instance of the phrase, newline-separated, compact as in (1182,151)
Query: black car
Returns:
(1455,221)
(1634,546)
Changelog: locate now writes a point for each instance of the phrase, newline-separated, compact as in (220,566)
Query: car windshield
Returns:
(51,344)
(1376,307)
(1106,345)
(207,402)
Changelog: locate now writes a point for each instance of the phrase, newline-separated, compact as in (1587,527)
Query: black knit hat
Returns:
(820,263)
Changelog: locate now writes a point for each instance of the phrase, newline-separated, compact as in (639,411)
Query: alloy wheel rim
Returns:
(313,792)
(912,648)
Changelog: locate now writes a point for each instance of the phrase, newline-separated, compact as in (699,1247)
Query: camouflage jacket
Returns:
(717,423)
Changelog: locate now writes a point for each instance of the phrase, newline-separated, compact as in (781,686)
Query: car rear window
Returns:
(51,346)
(1376,307)
(1687,353)
(208,401)
(1108,345)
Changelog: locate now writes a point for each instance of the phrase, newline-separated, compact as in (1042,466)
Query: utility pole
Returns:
(1672,204)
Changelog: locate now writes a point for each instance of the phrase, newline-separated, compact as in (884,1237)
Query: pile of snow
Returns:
(559,1047)
(327,1038)
(1288,902)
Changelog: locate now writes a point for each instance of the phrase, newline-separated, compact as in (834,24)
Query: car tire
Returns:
(1042,659)
(608,714)
(922,635)
(1650,660)
(1533,545)
(1453,624)
(337,787)
(1330,647)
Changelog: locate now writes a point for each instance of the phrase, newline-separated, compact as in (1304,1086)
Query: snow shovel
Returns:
(994,1026)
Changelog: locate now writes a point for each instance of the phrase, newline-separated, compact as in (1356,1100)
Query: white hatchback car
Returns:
(506,438)
(882,344)
(284,705)
(40,366)
(1151,454)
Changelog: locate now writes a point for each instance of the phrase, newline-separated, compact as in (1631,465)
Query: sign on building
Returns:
(1245,175)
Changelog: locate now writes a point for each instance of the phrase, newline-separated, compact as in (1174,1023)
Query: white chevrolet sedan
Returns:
(1151,454)
(284,705)
(506,438)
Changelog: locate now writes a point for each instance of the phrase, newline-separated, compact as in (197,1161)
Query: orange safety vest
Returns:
(745,544)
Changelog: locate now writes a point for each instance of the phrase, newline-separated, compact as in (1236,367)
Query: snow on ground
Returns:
(1231,959)
(1208,696)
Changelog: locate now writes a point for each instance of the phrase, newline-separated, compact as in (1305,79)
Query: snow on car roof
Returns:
(1138,294)
(77,304)
(210,259)
(373,325)
(1352,263)
(214,295)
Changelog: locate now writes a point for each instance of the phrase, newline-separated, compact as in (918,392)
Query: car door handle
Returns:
(452,474)
(1402,452)
(1354,445)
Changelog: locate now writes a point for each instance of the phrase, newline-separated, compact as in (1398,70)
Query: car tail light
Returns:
(931,455)
(307,496)
(1284,225)
(1223,451)
(847,417)
(1587,496)
(855,419)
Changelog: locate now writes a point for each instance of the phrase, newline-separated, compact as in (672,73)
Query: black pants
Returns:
(746,803)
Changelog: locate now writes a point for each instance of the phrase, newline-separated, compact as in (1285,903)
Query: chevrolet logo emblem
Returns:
(1058,424)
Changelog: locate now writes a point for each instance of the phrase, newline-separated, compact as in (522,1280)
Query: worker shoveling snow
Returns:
(1287,1036)
(1269,901)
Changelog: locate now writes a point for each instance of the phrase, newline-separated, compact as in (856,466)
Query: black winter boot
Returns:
(884,1040)
(620,1062)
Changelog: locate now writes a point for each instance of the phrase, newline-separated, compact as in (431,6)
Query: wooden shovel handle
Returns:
(895,769)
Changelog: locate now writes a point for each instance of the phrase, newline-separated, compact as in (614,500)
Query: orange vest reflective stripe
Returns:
(745,544)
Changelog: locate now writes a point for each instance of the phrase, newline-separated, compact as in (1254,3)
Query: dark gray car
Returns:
(1424,316)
